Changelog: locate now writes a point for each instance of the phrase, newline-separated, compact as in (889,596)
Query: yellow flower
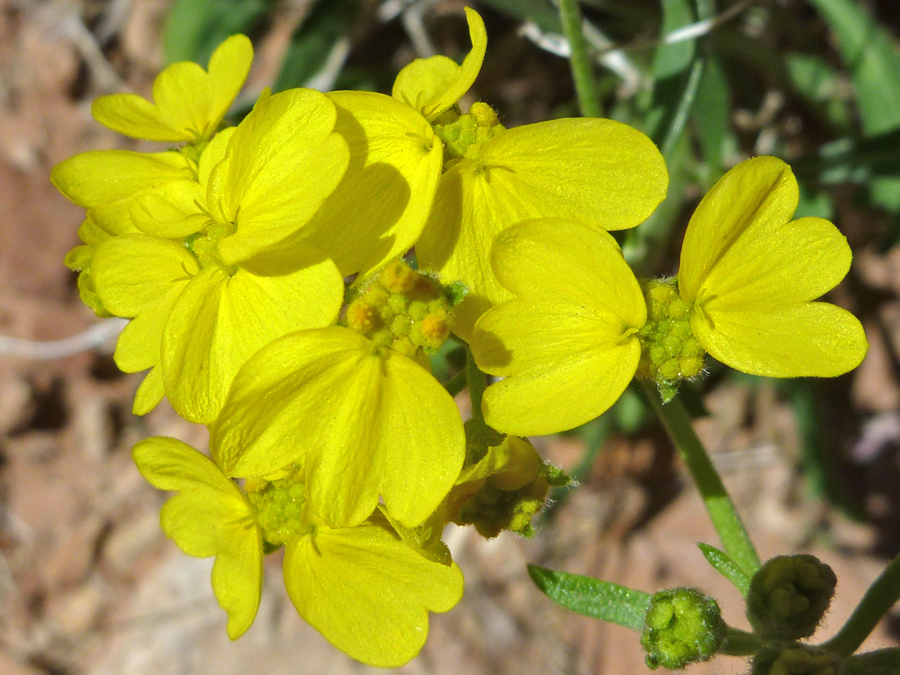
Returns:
(570,341)
(108,183)
(189,103)
(600,172)
(749,273)
(378,210)
(202,308)
(209,517)
(363,588)
(566,344)
(365,422)
(130,192)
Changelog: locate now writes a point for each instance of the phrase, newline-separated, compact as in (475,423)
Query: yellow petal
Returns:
(188,103)
(140,277)
(367,592)
(758,191)
(599,172)
(570,336)
(364,420)
(554,257)
(213,154)
(149,393)
(208,517)
(814,339)
(134,272)
(395,155)
(171,210)
(103,177)
(563,365)
(777,263)
(282,162)
(219,321)
(433,85)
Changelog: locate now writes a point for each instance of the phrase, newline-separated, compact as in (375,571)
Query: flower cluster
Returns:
(265,272)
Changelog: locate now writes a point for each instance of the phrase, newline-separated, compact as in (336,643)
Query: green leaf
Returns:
(669,60)
(874,64)
(852,160)
(872,58)
(669,70)
(194,28)
(314,41)
(726,567)
(592,597)
(710,115)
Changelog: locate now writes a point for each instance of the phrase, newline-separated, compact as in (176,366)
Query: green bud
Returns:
(503,484)
(795,659)
(461,133)
(789,595)
(682,626)
(670,353)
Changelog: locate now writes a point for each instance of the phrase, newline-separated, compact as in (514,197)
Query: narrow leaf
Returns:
(874,62)
(726,567)
(592,597)
(313,42)
(194,28)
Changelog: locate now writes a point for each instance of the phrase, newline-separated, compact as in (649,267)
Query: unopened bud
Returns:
(682,626)
(789,595)
(795,659)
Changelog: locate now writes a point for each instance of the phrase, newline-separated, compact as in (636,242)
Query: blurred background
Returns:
(88,582)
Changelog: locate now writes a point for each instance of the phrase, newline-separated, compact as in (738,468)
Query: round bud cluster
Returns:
(669,351)
(682,626)
(491,509)
(789,595)
(402,309)
(795,659)
(280,507)
(459,132)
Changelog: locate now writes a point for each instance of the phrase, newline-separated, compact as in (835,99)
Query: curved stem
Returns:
(880,597)
(735,540)
(740,643)
(477,384)
(582,68)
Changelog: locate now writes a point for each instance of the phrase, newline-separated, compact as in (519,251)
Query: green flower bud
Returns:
(670,353)
(788,596)
(404,309)
(795,659)
(682,626)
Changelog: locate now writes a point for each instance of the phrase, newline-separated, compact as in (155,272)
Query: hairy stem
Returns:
(735,540)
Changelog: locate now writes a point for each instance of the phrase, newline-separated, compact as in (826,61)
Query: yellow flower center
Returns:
(403,309)
(281,507)
(669,351)
(204,246)
(462,135)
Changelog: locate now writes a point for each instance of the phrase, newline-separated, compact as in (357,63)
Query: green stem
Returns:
(740,643)
(477,384)
(456,383)
(880,597)
(735,540)
(582,68)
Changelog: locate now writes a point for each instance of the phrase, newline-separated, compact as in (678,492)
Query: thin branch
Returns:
(93,338)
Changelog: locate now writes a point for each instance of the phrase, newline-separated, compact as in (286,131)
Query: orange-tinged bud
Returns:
(361,316)
(398,277)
